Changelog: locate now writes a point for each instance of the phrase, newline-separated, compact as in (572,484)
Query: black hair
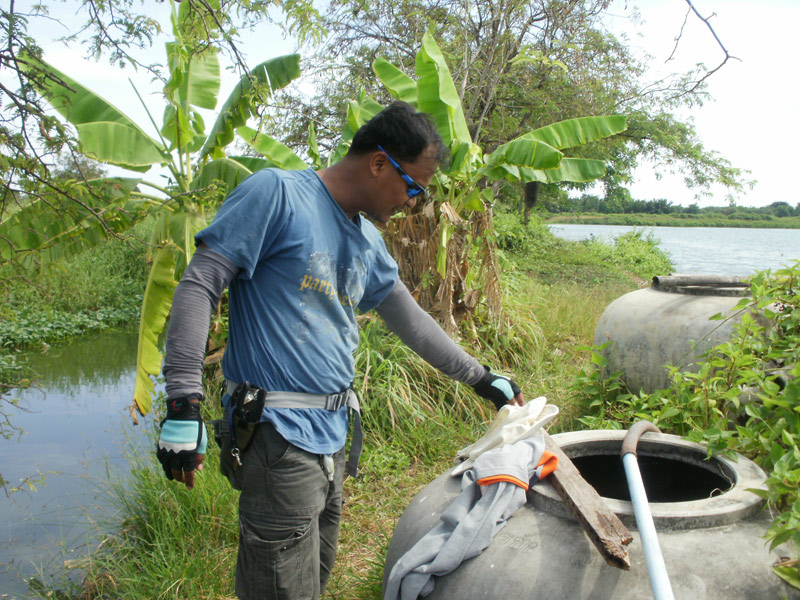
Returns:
(401,131)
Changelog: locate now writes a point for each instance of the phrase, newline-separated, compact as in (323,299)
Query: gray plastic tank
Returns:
(667,323)
(709,526)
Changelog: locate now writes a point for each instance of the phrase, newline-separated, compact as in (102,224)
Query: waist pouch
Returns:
(234,432)
(228,463)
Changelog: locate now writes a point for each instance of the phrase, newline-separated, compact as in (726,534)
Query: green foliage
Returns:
(625,210)
(107,275)
(458,214)
(532,240)
(63,223)
(405,401)
(744,398)
(631,252)
(639,255)
(32,330)
(99,288)
(517,66)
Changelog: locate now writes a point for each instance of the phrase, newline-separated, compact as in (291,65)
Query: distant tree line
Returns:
(589,203)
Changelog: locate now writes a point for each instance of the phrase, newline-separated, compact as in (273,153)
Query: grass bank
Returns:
(165,542)
(95,290)
(678,220)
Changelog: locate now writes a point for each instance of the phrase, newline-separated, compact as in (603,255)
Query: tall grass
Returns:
(162,540)
(99,288)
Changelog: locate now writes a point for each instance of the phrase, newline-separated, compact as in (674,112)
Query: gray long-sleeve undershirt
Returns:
(196,297)
(209,273)
(422,334)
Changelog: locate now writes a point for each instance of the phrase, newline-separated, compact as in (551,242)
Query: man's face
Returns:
(392,195)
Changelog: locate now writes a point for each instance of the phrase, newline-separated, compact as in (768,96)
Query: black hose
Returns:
(631,439)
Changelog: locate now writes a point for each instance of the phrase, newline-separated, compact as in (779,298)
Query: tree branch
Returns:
(695,85)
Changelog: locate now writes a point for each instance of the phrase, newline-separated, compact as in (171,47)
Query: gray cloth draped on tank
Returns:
(470,522)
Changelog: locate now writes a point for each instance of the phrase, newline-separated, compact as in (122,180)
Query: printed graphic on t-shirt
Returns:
(324,286)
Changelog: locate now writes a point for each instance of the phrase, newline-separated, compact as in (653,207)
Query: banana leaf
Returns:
(252,163)
(194,77)
(470,201)
(463,158)
(518,159)
(229,171)
(201,82)
(155,308)
(437,94)
(273,150)
(313,147)
(182,130)
(120,145)
(358,112)
(75,224)
(276,73)
(445,233)
(76,103)
(576,132)
(577,170)
(400,85)
(182,228)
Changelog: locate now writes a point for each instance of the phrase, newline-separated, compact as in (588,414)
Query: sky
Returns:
(753,120)
(754,117)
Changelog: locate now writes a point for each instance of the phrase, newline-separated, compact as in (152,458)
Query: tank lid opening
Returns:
(685,488)
(701,285)
(665,479)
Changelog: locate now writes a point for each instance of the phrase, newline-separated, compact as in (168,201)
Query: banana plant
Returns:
(201,172)
(463,190)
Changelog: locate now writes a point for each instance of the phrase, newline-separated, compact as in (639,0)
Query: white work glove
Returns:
(512,424)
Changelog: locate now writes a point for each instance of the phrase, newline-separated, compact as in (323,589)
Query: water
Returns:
(77,428)
(708,250)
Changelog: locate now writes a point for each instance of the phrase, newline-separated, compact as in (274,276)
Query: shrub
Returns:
(744,399)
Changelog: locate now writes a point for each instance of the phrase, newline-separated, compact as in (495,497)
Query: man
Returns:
(299,259)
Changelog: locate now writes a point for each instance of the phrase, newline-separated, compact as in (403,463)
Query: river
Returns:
(76,430)
(707,250)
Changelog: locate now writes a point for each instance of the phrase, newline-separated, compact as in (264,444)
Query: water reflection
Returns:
(101,359)
(76,427)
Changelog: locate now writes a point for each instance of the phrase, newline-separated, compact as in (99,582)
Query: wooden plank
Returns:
(601,525)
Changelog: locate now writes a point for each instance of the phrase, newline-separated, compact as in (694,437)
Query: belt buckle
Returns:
(336,401)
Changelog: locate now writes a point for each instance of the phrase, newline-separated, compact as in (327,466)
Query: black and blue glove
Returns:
(501,390)
(182,444)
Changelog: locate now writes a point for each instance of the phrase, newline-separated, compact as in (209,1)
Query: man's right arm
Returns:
(196,297)
(423,335)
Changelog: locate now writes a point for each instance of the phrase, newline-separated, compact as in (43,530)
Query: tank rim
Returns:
(736,504)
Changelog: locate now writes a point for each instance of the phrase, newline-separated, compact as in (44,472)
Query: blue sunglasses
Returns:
(414,189)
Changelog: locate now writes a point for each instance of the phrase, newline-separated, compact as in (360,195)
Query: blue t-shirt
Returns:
(305,268)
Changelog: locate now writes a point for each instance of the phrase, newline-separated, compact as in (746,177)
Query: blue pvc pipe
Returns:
(656,569)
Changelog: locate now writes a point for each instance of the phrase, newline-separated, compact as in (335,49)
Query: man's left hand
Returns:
(501,390)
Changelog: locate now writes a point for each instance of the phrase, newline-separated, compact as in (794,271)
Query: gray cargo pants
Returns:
(289,517)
